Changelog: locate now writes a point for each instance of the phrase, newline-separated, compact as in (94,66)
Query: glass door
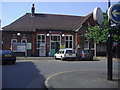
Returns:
(55,44)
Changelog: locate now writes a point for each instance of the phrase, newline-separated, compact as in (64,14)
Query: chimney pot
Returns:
(33,10)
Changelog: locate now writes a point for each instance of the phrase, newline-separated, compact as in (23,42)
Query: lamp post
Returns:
(109,50)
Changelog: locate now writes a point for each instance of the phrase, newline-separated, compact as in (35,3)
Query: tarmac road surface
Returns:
(33,73)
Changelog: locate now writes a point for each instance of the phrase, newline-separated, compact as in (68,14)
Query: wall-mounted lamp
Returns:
(14,35)
(48,34)
(18,34)
(63,35)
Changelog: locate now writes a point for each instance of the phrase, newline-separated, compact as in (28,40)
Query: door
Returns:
(55,44)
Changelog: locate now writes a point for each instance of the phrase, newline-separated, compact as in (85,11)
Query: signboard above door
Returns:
(54,31)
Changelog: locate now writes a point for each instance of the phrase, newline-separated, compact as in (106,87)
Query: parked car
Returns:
(84,55)
(7,57)
(66,53)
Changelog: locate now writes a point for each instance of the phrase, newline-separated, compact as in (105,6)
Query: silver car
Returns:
(67,53)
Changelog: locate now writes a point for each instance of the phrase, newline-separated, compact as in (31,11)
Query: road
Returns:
(32,73)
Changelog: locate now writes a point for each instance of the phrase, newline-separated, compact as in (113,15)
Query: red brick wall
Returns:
(7,36)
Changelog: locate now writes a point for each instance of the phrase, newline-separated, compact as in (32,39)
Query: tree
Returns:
(100,33)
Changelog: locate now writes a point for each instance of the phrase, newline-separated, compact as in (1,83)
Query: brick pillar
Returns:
(76,41)
(33,44)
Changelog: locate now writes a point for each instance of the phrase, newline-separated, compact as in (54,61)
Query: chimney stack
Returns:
(33,10)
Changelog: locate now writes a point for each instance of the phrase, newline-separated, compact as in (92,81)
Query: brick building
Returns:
(38,34)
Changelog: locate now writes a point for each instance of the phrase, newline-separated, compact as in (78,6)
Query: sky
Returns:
(11,11)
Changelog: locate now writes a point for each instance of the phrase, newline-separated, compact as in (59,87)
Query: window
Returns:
(70,52)
(13,46)
(55,38)
(86,44)
(69,41)
(62,52)
(13,41)
(23,41)
(41,41)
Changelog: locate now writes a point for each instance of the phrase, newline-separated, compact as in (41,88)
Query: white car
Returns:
(66,53)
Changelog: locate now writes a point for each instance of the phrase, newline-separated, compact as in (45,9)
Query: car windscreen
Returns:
(5,52)
(70,52)
(86,51)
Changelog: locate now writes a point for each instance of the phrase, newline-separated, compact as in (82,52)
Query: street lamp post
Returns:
(109,50)
(109,58)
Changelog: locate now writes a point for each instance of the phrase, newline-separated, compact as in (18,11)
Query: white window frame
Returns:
(68,40)
(55,41)
(87,42)
(40,40)
(23,40)
(12,41)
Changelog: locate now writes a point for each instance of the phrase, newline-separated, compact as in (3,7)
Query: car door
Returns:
(58,55)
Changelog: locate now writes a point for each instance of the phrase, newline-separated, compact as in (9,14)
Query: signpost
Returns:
(113,15)
(98,18)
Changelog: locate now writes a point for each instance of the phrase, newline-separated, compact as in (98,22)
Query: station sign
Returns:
(114,13)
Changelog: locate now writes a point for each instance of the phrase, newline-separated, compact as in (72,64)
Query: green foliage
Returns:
(100,33)
(116,34)
(97,34)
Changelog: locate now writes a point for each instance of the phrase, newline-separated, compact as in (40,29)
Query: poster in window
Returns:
(29,46)
(62,45)
(21,48)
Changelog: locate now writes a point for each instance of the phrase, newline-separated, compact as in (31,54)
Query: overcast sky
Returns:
(13,10)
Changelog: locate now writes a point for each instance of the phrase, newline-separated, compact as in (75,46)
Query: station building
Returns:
(38,34)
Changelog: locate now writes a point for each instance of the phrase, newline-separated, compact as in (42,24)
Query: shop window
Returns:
(69,41)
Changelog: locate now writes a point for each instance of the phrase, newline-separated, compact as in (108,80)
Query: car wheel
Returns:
(91,59)
(75,59)
(78,59)
(55,58)
(62,58)
(12,62)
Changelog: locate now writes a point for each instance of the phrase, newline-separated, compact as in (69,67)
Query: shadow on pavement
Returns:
(116,80)
(22,75)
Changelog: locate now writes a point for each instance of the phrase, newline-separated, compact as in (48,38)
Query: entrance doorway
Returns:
(54,44)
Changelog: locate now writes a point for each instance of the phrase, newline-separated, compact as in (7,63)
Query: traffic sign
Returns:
(114,13)
(98,15)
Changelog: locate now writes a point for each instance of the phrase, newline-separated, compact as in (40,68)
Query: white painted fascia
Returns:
(78,28)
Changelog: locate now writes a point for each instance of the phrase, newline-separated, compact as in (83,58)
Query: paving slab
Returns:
(81,79)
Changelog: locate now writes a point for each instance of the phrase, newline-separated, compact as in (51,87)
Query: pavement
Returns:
(35,58)
(52,58)
(81,79)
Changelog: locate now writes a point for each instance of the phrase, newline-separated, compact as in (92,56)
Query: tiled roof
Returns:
(46,22)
